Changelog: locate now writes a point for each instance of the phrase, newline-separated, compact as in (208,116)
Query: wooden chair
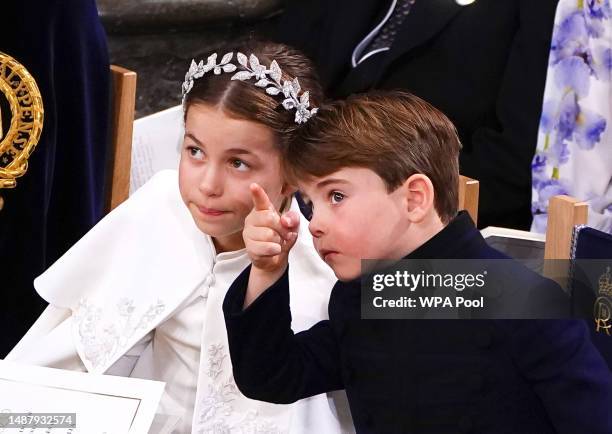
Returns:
(120,155)
(468,196)
(564,212)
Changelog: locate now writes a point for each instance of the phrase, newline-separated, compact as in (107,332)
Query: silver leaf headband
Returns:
(268,79)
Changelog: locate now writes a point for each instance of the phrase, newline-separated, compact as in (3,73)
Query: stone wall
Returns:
(158,39)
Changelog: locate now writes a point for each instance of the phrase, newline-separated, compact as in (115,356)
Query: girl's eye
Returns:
(196,153)
(336,197)
(240,165)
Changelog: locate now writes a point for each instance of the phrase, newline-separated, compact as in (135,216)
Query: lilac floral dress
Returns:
(574,150)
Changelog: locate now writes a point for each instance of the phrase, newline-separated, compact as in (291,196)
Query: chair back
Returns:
(120,151)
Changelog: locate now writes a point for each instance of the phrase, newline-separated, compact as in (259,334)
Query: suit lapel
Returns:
(346,27)
(425,20)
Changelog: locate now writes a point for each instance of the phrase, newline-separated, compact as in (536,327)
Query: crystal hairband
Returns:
(268,79)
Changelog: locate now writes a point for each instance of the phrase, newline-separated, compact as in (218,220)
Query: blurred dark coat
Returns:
(483,65)
(63,45)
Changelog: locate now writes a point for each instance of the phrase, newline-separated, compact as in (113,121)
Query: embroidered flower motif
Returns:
(101,337)
(217,413)
(217,427)
(215,360)
(217,400)
(125,307)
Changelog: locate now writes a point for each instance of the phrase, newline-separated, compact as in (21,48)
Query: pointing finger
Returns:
(260,199)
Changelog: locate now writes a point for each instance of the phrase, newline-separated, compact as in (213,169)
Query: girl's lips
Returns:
(211,211)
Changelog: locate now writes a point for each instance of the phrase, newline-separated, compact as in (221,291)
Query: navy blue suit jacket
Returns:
(424,376)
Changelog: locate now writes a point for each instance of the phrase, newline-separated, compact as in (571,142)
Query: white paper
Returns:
(102,403)
(156,144)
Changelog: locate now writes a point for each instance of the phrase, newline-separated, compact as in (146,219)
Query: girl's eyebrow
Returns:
(242,151)
(238,151)
(232,151)
(192,137)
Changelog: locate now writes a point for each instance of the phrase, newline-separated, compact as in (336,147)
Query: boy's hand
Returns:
(268,238)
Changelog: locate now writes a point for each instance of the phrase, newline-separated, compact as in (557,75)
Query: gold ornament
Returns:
(603,304)
(22,135)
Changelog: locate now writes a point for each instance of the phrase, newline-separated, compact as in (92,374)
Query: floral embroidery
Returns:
(217,414)
(102,339)
(215,360)
(578,59)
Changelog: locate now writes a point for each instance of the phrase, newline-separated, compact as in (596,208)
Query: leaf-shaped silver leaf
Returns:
(287,88)
(242,59)
(226,58)
(230,67)
(304,99)
(275,71)
(273,90)
(263,82)
(187,86)
(254,61)
(241,75)
(296,86)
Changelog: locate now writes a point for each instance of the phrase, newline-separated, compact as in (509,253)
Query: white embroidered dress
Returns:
(141,295)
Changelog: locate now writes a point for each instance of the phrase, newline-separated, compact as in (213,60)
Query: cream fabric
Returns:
(141,295)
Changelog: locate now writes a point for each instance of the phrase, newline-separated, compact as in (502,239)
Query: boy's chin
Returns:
(345,275)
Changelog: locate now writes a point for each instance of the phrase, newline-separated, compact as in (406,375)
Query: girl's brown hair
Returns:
(244,100)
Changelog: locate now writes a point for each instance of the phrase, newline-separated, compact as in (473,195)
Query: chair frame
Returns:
(119,161)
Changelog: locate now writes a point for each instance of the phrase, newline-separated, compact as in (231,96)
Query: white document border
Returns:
(148,392)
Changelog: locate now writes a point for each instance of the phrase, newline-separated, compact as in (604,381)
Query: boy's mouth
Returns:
(327,254)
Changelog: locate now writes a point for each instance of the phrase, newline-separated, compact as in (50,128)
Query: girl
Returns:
(141,294)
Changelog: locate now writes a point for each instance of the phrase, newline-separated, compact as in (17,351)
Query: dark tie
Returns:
(386,35)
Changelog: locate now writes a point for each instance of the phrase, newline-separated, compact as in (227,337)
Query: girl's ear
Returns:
(420,193)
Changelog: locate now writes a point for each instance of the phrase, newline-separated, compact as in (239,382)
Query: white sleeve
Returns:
(49,342)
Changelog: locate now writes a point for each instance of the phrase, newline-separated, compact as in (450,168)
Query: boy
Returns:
(380,171)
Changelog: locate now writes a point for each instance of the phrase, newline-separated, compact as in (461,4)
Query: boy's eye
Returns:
(195,152)
(336,197)
(239,164)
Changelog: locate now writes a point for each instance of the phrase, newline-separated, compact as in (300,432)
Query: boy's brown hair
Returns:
(395,134)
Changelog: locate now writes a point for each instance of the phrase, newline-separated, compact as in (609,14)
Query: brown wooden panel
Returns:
(564,212)
(468,196)
(123,105)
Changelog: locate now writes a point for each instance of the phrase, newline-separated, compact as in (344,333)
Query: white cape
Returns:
(127,275)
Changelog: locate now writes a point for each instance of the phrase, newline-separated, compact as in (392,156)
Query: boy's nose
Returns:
(211,182)
(315,226)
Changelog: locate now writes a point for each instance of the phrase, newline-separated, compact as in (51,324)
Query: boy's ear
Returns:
(419,191)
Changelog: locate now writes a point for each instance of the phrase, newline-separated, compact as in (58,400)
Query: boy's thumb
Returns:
(291,221)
